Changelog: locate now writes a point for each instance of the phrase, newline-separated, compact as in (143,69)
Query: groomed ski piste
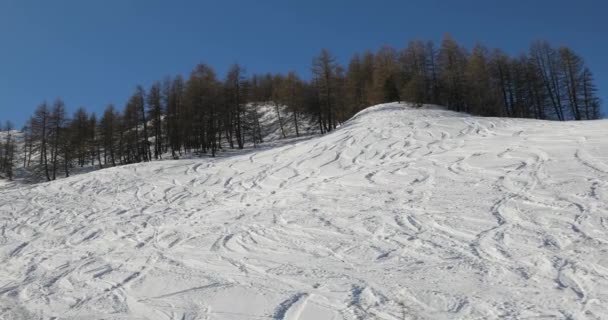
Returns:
(401,213)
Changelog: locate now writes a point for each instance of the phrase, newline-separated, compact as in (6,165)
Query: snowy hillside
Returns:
(270,131)
(400,214)
(271,127)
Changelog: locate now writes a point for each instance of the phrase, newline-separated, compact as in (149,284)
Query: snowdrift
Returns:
(401,213)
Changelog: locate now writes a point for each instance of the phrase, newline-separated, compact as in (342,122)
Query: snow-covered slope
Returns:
(400,214)
(271,127)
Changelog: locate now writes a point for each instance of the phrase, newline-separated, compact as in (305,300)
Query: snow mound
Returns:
(401,213)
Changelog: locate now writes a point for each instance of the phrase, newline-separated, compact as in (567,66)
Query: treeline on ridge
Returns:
(205,113)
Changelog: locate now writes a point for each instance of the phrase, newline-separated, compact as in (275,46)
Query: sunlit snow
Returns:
(401,213)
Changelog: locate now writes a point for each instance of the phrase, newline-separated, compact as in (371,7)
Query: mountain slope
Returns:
(270,132)
(401,213)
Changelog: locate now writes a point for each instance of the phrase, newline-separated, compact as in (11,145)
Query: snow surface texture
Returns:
(400,214)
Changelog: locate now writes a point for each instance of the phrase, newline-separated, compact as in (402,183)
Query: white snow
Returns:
(271,127)
(400,214)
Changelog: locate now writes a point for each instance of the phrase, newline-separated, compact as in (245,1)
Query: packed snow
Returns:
(401,213)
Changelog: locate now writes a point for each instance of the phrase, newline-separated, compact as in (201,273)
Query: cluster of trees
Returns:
(7,151)
(205,113)
(545,83)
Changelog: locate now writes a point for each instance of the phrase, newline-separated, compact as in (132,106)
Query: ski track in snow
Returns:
(400,214)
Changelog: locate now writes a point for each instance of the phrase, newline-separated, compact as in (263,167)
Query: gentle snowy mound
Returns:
(401,213)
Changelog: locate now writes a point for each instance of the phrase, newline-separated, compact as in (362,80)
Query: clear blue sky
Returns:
(92,53)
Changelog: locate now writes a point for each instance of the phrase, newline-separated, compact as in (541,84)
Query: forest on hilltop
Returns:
(205,113)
